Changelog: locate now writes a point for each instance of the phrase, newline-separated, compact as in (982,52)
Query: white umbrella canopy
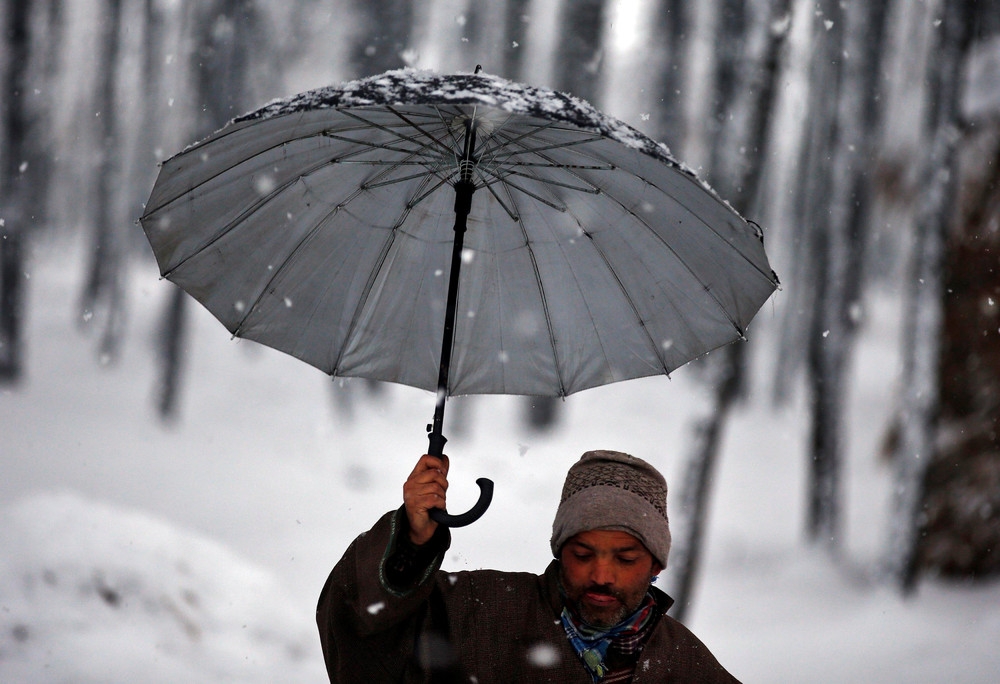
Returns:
(324,226)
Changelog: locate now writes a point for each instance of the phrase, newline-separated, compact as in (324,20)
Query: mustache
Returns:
(602,590)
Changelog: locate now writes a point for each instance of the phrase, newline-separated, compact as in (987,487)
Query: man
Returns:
(388,614)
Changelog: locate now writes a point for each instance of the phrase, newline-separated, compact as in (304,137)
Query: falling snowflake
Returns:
(543,655)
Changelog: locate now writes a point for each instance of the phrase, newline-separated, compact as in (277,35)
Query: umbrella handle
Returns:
(442,517)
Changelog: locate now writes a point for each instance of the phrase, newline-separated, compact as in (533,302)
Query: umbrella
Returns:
(462,234)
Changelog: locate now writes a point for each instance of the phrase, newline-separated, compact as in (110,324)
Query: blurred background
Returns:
(834,480)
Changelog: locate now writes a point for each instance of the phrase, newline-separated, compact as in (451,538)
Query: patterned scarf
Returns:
(592,645)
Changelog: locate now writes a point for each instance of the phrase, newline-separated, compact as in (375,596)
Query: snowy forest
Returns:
(863,137)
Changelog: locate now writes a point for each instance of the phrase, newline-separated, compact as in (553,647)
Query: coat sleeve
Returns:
(368,627)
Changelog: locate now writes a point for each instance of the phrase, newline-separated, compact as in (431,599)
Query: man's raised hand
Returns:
(424,489)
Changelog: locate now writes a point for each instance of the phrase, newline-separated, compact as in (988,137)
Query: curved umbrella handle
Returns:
(442,517)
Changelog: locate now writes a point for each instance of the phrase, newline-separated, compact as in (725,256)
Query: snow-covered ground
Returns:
(131,551)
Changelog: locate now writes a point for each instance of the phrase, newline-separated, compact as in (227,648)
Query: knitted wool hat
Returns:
(609,490)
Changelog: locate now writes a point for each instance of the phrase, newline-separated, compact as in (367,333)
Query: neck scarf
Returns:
(592,644)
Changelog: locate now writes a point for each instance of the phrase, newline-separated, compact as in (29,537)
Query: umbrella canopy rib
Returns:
(371,144)
(631,303)
(150,212)
(545,311)
(507,182)
(408,120)
(244,215)
(309,236)
(374,275)
(508,154)
(621,288)
(285,264)
(769,277)
(700,219)
(512,212)
(382,127)
(693,272)
(552,163)
(394,181)
(420,198)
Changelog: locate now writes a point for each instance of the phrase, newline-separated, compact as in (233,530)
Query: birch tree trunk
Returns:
(384,29)
(841,241)
(515,33)
(741,177)
(922,336)
(580,49)
(226,34)
(104,284)
(807,259)
(673,21)
(13,189)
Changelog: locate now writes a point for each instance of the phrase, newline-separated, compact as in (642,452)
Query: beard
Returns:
(602,617)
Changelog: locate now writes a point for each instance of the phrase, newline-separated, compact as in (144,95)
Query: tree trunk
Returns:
(812,183)
(227,35)
(104,284)
(843,233)
(171,349)
(732,58)
(580,49)
(728,365)
(515,33)
(825,358)
(691,517)
(960,535)
(151,139)
(13,189)
(384,29)
(922,340)
(673,21)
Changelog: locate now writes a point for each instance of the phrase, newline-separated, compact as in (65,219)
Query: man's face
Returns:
(605,574)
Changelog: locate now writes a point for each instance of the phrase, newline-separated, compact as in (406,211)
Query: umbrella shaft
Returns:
(463,205)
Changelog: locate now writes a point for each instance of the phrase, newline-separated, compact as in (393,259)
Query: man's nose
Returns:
(602,573)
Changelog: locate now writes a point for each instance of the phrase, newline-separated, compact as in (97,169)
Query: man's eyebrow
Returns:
(626,549)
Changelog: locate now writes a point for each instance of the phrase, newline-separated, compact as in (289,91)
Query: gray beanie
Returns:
(609,490)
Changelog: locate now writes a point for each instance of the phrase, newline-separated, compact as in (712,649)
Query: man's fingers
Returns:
(431,463)
(425,489)
(425,478)
(420,489)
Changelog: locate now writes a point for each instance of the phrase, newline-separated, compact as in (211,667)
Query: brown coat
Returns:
(482,626)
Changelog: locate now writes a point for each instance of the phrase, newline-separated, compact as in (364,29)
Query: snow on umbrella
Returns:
(462,234)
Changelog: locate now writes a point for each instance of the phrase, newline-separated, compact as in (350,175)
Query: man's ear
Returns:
(657,568)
